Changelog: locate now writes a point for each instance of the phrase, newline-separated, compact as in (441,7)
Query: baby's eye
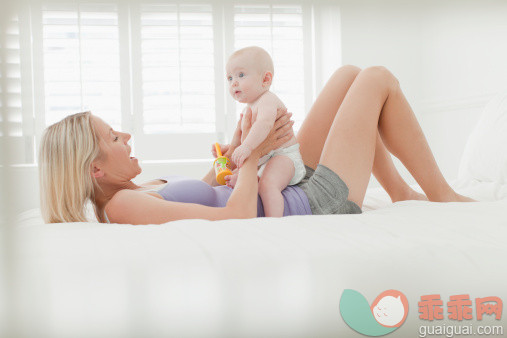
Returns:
(229,78)
(241,74)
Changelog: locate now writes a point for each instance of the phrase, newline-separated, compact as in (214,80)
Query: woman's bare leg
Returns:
(313,133)
(374,103)
(388,176)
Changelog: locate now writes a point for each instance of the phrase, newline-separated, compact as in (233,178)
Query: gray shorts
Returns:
(326,192)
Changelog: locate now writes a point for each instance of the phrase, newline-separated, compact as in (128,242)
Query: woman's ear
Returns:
(96,171)
(267,79)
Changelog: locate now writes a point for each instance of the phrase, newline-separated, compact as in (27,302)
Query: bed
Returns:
(270,277)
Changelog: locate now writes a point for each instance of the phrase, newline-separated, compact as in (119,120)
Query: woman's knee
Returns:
(347,71)
(380,74)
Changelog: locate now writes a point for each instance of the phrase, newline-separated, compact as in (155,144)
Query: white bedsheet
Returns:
(260,277)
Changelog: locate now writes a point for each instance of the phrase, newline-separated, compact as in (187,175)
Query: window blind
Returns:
(149,67)
(279,30)
(177,68)
(13,122)
(81,60)
(11,72)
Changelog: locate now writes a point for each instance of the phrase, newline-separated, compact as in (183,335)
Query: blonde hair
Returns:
(66,153)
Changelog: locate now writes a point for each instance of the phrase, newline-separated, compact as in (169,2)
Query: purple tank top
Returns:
(187,190)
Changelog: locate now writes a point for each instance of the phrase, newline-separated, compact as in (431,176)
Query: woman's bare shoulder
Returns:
(121,200)
(130,196)
(137,207)
(154,182)
(128,201)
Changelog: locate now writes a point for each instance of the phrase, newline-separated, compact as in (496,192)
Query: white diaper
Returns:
(291,152)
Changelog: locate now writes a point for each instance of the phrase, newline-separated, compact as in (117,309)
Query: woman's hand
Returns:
(279,134)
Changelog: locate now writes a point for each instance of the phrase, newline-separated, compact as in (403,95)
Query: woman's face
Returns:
(115,162)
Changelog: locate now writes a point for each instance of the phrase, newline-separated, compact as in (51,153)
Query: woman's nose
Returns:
(126,137)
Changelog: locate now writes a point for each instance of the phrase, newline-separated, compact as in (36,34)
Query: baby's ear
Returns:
(267,79)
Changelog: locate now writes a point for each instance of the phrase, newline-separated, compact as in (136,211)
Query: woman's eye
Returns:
(241,74)
(116,138)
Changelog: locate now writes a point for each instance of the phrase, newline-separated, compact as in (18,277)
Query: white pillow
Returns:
(485,155)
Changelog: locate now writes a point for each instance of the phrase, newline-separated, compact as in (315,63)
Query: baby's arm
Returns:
(266,115)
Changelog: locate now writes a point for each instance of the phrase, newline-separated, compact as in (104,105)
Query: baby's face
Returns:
(245,81)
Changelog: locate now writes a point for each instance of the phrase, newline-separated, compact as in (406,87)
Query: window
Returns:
(152,68)
(11,71)
(177,68)
(81,60)
(15,131)
(279,30)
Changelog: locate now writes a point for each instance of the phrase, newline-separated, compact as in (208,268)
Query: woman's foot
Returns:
(461,198)
(409,194)
(453,196)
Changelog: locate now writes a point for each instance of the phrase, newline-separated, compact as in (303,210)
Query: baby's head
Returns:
(249,73)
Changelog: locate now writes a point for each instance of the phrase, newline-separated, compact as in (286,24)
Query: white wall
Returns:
(464,61)
(450,58)
(384,33)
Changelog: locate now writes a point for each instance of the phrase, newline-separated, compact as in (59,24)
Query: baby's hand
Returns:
(240,155)
(230,180)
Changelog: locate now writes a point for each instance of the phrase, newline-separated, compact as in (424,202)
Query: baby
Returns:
(250,73)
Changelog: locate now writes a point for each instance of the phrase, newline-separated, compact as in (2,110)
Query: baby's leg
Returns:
(276,176)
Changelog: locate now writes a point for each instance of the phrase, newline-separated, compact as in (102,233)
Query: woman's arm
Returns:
(134,207)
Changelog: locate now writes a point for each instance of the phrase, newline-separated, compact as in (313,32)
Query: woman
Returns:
(344,137)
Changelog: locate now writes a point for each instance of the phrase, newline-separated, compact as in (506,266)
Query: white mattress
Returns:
(260,277)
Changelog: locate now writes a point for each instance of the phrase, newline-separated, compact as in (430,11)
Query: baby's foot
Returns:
(409,194)
(231,180)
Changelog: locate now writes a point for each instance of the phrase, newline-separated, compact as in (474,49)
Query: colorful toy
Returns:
(221,166)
